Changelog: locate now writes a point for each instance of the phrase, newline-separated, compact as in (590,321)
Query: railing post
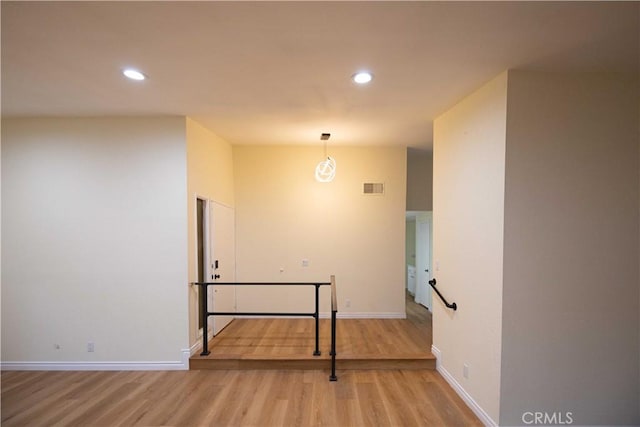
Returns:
(333,376)
(317,317)
(204,317)
(334,310)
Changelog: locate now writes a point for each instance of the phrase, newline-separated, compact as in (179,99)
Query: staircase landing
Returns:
(268,343)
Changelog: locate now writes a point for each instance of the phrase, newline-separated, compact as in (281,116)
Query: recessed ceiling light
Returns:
(362,77)
(133,74)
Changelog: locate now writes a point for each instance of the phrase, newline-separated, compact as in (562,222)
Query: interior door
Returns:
(423,257)
(223,262)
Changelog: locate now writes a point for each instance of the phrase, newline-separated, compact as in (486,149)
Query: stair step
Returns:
(287,344)
(288,362)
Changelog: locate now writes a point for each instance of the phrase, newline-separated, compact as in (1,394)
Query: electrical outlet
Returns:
(347,303)
(91,347)
(465,370)
(305,262)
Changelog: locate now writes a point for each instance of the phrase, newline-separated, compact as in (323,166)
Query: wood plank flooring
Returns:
(264,398)
(231,398)
(274,343)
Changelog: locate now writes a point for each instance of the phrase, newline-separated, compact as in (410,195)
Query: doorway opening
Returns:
(201,237)
(419,244)
(215,237)
(418,260)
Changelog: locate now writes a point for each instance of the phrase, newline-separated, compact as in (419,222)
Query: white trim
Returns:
(436,352)
(327,315)
(181,365)
(186,354)
(196,347)
(275,317)
(382,315)
(207,244)
(471,403)
(205,218)
(198,343)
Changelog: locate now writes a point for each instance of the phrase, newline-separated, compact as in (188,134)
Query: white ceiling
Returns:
(279,72)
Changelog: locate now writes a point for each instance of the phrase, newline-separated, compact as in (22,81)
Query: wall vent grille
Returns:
(373,188)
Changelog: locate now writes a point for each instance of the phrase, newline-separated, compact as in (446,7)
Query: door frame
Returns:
(422,296)
(424,269)
(207,258)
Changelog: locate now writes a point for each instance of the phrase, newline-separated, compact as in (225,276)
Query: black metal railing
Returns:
(334,312)
(452,306)
(205,313)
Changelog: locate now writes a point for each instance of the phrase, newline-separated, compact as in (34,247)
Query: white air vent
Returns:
(373,188)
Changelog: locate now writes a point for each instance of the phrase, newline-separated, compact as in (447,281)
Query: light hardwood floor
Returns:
(262,398)
(231,398)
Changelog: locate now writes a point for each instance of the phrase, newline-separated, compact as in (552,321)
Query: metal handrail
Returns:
(452,306)
(334,311)
(316,314)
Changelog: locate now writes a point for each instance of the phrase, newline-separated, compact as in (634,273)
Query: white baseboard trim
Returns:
(436,352)
(384,315)
(197,346)
(389,315)
(466,397)
(181,365)
(275,317)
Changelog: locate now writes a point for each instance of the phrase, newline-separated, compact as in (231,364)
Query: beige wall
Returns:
(93,242)
(468,207)
(0,237)
(209,176)
(284,216)
(570,302)
(565,187)
(419,180)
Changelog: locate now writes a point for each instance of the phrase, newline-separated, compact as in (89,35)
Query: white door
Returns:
(423,257)
(223,263)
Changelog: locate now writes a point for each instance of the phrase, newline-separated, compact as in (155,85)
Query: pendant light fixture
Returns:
(326,169)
